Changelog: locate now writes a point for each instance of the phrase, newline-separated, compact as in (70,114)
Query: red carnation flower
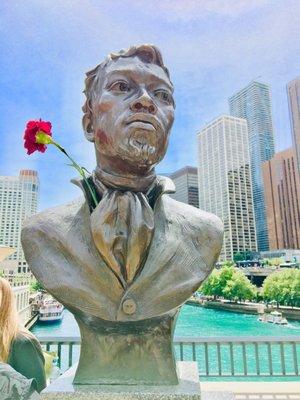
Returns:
(32,128)
(36,137)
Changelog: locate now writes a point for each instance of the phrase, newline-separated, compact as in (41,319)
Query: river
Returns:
(196,321)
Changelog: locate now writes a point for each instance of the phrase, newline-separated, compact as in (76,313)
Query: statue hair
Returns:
(148,53)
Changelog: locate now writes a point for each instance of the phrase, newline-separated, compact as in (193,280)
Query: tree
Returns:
(228,263)
(283,287)
(276,261)
(36,286)
(242,256)
(239,288)
(239,256)
(211,287)
(266,262)
(229,283)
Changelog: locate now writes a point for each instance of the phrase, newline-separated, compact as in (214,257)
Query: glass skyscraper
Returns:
(254,104)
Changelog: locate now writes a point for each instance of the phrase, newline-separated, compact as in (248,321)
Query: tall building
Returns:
(254,104)
(18,200)
(282,195)
(186,183)
(293,90)
(225,181)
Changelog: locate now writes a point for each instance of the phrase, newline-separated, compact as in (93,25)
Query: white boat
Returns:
(275,317)
(50,311)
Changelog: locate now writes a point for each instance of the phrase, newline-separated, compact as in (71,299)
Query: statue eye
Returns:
(120,86)
(164,96)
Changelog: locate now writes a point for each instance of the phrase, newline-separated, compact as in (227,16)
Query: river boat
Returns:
(50,311)
(275,317)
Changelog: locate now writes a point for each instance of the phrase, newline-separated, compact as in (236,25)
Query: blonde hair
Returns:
(9,320)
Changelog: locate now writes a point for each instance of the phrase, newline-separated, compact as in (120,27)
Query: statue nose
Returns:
(144,103)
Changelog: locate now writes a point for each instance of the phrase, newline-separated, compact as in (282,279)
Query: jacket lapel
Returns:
(174,255)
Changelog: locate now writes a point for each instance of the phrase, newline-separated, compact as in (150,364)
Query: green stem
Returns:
(79,169)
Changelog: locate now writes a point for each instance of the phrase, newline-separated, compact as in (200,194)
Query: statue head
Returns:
(129,109)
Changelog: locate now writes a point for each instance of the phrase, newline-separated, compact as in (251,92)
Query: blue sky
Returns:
(212,48)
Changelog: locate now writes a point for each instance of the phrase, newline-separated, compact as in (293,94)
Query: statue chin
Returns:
(143,150)
(143,153)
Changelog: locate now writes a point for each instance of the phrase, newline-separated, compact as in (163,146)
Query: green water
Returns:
(194,321)
(198,321)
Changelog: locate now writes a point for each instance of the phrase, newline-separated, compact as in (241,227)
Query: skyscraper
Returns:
(18,200)
(293,90)
(186,183)
(254,104)
(282,195)
(225,181)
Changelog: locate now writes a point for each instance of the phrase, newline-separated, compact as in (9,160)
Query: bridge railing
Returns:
(245,357)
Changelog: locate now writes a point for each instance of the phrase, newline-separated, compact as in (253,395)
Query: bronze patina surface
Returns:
(124,267)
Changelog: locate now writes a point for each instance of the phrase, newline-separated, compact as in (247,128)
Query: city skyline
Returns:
(211,49)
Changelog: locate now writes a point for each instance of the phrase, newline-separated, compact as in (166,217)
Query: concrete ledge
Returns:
(188,388)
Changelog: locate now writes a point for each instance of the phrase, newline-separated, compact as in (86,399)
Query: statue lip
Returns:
(143,118)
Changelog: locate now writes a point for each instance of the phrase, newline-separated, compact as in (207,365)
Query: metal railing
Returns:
(216,357)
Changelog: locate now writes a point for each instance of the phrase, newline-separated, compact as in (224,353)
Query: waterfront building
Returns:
(225,181)
(254,104)
(282,197)
(293,91)
(18,201)
(186,183)
(287,255)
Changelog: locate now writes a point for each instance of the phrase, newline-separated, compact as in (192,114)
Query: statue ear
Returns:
(88,127)
(87,122)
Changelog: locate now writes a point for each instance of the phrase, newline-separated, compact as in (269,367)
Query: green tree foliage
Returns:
(266,262)
(239,288)
(36,286)
(211,287)
(283,287)
(228,263)
(242,256)
(239,256)
(229,283)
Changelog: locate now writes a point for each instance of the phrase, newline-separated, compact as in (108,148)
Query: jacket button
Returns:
(129,307)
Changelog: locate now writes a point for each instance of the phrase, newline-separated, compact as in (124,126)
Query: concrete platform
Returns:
(285,390)
(187,389)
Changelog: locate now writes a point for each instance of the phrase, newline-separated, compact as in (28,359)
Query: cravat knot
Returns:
(122,228)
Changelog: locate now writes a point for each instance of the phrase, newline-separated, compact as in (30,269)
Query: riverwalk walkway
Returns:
(292,313)
(254,390)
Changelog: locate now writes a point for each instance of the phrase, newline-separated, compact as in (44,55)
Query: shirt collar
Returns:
(162,185)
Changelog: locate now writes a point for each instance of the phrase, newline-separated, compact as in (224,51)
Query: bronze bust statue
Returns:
(125,266)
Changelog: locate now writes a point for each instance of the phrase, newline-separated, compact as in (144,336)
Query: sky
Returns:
(212,48)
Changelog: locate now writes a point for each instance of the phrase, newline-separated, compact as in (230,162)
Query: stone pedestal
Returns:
(187,389)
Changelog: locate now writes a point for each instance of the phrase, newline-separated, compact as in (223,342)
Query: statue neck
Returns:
(120,182)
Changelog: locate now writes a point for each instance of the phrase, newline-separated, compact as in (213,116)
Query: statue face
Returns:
(134,113)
